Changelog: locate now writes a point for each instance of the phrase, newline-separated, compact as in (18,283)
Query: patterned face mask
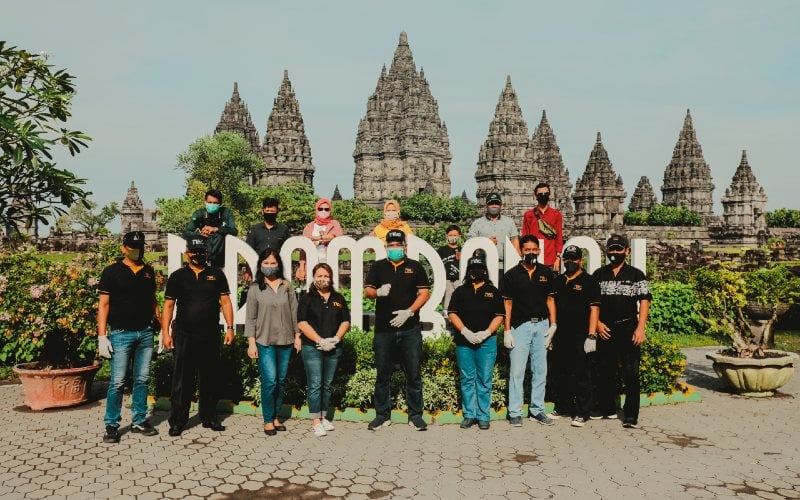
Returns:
(322,283)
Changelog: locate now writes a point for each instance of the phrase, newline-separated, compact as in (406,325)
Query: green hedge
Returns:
(673,309)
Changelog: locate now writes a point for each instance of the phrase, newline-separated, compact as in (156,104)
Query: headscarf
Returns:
(392,224)
(317,220)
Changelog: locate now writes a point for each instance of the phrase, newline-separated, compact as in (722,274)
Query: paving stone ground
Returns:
(725,447)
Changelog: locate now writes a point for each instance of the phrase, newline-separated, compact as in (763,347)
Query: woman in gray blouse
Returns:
(271,331)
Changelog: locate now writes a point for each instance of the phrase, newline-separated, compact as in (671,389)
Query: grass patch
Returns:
(699,340)
(788,340)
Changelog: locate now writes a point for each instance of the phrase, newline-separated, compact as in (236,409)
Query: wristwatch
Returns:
(592,335)
(230,327)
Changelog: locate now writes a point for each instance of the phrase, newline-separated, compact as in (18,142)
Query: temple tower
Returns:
(505,159)
(402,146)
(643,197)
(236,118)
(598,196)
(286,150)
(744,206)
(337,196)
(687,178)
(132,212)
(548,166)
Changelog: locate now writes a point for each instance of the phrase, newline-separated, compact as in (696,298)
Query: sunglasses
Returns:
(323,210)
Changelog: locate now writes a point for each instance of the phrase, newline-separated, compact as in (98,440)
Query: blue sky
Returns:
(154,76)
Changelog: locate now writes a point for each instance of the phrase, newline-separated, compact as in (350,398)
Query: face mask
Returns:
(212,208)
(543,198)
(452,240)
(478,275)
(391,215)
(322,283)
(571,267)
(615,258)
(270,218)
(198,259)
(530,258)
(493,211)
(134,254)
(395,254)
(269,270)
(324,215)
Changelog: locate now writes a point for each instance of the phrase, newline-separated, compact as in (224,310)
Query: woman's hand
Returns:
(252,351)
(298,344)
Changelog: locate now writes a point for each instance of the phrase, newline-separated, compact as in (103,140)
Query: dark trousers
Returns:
(195,358)
(612,354)
(407,345)
(572,374)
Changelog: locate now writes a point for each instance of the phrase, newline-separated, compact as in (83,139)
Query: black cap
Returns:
(396,235)
(196,244)
(493,198)
(476,262)
(617,242)
(572,252)
(134,239)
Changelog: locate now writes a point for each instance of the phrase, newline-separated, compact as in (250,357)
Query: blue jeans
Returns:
(139,346)
(273,363)
(320,367)
(528,343)
(475,364)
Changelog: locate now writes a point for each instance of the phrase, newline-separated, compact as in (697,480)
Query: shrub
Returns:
(783,217)
(661,364)
(673,309)
(435,236)
(436,209)
(663,215)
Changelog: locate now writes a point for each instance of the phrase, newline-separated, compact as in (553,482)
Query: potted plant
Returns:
(746,307)
(47,325)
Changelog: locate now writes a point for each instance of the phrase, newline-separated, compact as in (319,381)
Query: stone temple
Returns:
(402,146)
(599,196)
(643,197)
(137,218)
(744,207)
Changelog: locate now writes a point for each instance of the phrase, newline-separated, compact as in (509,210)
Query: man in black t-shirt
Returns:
(125,335)
(198,290)
(401,288)
(577,309)
(621,330)
(451,256)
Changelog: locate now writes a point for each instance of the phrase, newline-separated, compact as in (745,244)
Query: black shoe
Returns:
(417,423)
(145,429)
(468,422)
(175,430)
(483,424)
(111,435)
(630,424)
(379,422)
(270,432)
(280,427)
(214,425)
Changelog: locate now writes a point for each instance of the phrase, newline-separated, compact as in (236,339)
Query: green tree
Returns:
(783,217)
(35,104)
(663,215)
(435,209)
(83,215)
(355,214)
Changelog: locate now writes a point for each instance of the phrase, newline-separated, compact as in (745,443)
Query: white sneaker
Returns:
(319,430)
(327,425)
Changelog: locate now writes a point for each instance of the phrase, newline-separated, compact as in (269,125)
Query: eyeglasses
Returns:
(323,209)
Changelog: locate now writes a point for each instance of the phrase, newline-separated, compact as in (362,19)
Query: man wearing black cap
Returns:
(199,291)
(401,288)
(577,309)
(476,311)
(621,329)
(124,333)
(212,222)
(495,226)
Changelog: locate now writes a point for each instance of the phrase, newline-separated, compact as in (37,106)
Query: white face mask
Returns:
(391,215)
(324,215)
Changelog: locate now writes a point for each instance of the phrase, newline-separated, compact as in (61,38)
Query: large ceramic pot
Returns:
(55,388)
(755,377)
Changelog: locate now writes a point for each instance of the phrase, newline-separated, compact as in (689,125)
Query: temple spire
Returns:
(236,118)
(599,195)
(548,166)
(687,178)
(744,206)
(643,197)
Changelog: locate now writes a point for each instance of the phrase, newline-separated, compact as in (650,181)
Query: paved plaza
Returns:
(725,447)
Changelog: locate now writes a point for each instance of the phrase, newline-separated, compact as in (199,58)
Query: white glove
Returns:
(548,336)
(483,335)
(334,340)
(325,345)
(508,339)
(104,348)
(471,336)
(400,317)
(589,345)
(383,291)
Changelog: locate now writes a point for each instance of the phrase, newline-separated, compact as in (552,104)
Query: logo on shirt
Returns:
(542,279)
(211,278)
(488,295)
(408,270)
(577,288)
(336,304)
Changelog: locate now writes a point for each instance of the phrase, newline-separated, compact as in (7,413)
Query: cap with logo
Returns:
(476,262)
(195,245)
(617,242)
(571,252)
(134,239)
(493,198)
(396,235)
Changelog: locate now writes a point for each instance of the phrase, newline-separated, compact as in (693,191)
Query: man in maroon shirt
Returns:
(545,223)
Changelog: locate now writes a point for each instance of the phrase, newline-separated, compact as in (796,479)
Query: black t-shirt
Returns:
(131,295)
(261,237)
(476,307)
(621,293)
(528,292)
(324,317)
(406,278)
(450,260)
(197,299)
(574,297)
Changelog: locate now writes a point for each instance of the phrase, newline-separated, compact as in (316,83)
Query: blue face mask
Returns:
(212,208)
(395,254)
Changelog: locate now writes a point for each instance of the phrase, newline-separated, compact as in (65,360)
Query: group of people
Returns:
(605,312)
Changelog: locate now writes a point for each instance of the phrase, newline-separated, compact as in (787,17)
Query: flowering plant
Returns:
(48,309)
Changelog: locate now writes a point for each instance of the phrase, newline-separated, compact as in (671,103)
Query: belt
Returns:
(537,320)
(616,322)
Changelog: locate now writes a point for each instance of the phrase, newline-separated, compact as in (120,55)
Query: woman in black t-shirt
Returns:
(323,318)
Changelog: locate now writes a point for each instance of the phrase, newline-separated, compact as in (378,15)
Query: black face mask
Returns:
(543,198)
(615,258)
(530,258)
(198,259)
(478,275)
(270,218)
(571,267)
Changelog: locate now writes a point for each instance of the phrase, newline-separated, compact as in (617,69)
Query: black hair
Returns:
(528,238)
(265,254)
(269,201)
(452,227)
(540,186)
(215,193)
